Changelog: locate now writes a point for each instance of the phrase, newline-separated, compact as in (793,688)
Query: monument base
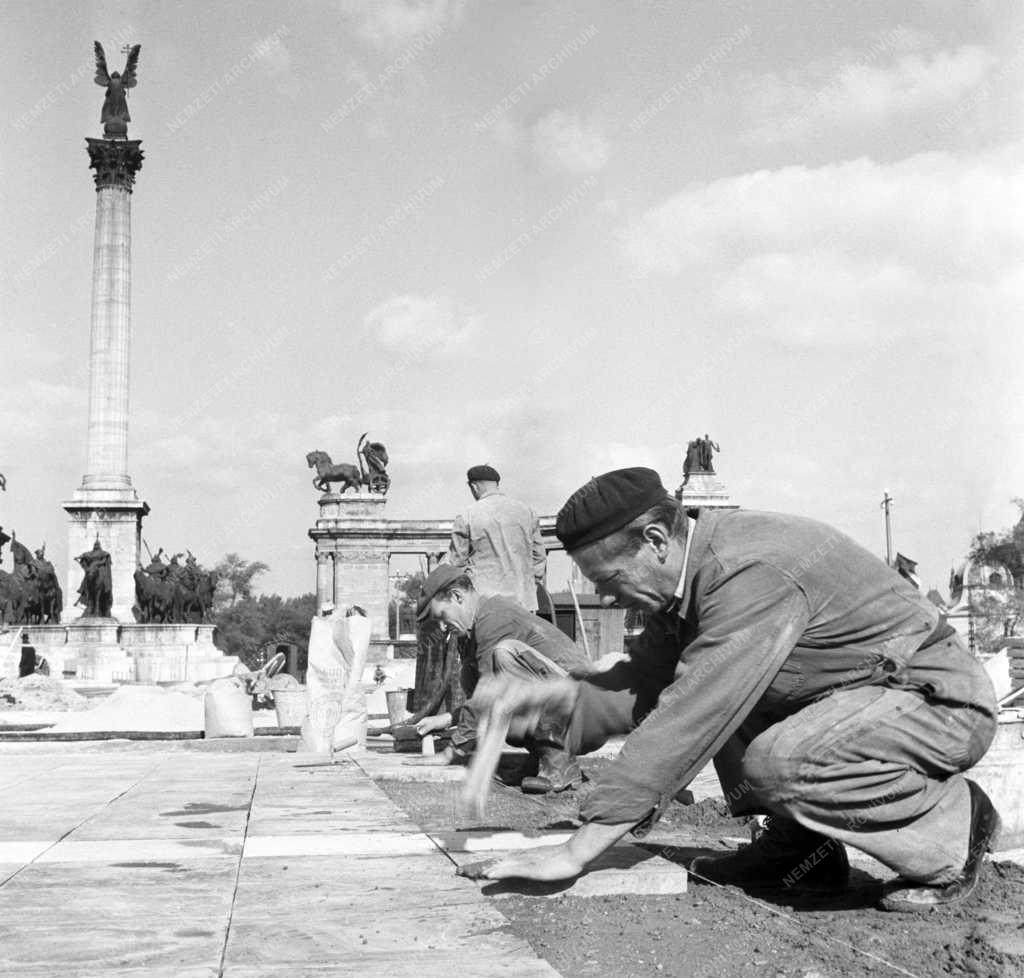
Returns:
(703,489)
(103,650)
(114,517)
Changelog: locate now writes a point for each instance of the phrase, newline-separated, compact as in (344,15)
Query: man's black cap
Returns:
(606,504)
(482,473)
(437,580)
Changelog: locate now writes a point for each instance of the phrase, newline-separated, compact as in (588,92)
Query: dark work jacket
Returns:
(777,611)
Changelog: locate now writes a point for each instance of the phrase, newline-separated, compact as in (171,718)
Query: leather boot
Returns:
(784,855)
(557,769)
(909,897)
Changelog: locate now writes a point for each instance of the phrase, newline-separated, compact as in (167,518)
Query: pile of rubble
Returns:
(39,692)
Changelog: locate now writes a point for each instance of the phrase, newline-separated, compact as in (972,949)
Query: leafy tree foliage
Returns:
(237,577)
(251,627)
(999,613)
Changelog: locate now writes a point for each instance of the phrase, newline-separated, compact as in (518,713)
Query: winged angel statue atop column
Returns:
(115,117)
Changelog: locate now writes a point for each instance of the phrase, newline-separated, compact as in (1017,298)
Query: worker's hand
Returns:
(446,757)
(429,725)
(546,863)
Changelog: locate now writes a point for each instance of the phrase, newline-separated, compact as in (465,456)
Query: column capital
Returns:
(116,161)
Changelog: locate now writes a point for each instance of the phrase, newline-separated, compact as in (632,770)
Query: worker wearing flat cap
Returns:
(827,692)
(500,637)
(497,541)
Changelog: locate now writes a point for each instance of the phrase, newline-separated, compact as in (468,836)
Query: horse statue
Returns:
(174,594)
(373,476)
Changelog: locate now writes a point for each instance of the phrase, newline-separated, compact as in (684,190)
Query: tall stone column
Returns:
(106,507)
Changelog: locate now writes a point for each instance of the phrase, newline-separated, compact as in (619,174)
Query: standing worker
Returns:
(497,542)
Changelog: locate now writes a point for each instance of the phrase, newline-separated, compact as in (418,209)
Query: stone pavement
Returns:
(167,861)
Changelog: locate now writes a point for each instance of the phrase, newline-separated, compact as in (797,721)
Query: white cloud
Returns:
(861,95)
(562,143)
(419,325)
(859,249)
(391,24)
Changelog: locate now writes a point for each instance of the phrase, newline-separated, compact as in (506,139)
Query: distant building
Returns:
(970,585)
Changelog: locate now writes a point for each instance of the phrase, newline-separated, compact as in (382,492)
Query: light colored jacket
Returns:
(498,542)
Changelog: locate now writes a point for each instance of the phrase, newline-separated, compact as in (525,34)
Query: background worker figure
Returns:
(500,637)
(827,691)
(497,542)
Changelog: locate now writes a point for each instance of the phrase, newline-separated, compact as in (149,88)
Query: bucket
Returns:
(398,705)
(1001,774)
(291,707)
(227,708)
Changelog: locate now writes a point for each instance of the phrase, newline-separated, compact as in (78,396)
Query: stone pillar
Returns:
(324,579)
(361,577)
(105,506)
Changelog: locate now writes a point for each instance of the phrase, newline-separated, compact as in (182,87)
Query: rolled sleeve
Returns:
(749,620)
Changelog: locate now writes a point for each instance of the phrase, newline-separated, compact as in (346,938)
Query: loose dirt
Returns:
(722,932)
(39,692)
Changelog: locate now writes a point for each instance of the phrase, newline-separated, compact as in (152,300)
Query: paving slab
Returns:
(157,860)
(626,868)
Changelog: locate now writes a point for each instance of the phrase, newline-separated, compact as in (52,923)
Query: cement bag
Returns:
(227,706)
(337,705)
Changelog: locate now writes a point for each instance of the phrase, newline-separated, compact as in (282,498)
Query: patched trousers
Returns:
(878,766)
(510,658)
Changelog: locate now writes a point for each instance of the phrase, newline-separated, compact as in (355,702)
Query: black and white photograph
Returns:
(523,488)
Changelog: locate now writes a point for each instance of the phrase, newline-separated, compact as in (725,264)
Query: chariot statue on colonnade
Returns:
(374,475)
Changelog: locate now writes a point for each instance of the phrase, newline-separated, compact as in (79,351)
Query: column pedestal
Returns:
(118,526)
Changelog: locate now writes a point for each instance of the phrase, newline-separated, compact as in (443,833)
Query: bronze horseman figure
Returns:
(115,117)
(95,593)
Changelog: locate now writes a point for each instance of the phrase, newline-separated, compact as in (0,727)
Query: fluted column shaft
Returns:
(110,348)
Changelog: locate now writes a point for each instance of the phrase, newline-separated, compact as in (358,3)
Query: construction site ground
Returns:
(193,859)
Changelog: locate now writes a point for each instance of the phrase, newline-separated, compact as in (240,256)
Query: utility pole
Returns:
(887,501)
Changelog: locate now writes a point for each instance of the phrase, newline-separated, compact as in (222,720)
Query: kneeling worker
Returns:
(827,691)
(503,639)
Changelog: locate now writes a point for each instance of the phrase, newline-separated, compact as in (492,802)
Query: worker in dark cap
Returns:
(500,637)
(497,541)
(828,693)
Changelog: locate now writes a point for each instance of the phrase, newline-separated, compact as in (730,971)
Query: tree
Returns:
(251,627)
(237,575)
(998,612)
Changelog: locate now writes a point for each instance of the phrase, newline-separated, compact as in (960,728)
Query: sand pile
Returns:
(39,692)
(141,708)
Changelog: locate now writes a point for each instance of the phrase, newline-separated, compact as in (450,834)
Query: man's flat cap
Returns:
(482,473)
(606,504)
(437,580)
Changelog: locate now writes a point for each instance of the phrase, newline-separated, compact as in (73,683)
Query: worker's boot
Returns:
(908,896)
(557,769)
(784,855)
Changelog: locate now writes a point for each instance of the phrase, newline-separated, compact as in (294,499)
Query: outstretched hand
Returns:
(545,864)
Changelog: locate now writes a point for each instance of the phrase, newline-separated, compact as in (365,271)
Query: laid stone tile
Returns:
(328,936)
(407,964)
(350,843)
(32,946)
(141,850)
(392,767)
(623,869)
(496,841)
(292,886)
(19,853)
(121,890)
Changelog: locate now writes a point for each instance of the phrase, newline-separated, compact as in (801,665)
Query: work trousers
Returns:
(510,658)
(878,767)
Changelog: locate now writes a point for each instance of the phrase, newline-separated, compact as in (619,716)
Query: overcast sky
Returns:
(559,237)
